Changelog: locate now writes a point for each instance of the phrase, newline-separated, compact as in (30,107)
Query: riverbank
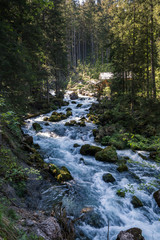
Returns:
(23,178)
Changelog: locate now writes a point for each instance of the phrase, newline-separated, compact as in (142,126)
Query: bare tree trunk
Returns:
(147,61)
(92,44)
(79,47)
(133,66)
(47,92)
(74,48)
(83,52)
(152,54)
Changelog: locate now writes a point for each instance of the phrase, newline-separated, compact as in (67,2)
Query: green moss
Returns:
(61,174)
(56,117)
(79,105)
(71,123)
(122,168)
(69,113)
(37,127)
(107,155)
(89,150)
(117,140)
(82,123)
(120,193)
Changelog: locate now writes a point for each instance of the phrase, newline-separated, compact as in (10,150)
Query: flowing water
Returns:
(88,190)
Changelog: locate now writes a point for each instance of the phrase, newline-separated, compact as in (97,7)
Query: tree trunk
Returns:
(152,54)
(147,61)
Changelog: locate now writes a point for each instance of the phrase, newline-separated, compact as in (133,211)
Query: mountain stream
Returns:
(88,190)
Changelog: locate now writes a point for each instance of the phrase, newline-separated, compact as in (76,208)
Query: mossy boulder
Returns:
(131,234)
(107,177)
(45,118)
(89,150)
(136,202)
(122,168)
(56,117)
(82,123)
(107,155)
(61,174)
(37,126)
(156,196)
(76,145)
(79,105)
(69,113)
(71,123)
(120,193)
(69,109)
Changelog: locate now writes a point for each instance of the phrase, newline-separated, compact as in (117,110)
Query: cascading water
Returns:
(88,188)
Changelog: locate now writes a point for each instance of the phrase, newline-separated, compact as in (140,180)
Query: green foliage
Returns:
(10,119)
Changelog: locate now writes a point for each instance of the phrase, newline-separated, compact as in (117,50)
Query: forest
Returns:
(78,152)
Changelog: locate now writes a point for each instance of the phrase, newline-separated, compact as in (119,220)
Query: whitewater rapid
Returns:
(88,189)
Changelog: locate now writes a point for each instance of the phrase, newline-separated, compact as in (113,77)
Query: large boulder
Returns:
(136,202)
(156,196)
(56,117)
(108,154)
(131,234)
(107,177)
(89,150)
(73,96)
(122,168)
(61,174)
(49,229)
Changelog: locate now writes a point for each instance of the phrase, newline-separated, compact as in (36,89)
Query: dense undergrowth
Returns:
(123,128)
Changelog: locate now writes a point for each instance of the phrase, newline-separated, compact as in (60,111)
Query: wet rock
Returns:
(107,155)
(73,96)
(89,150)
(46,124)
(82,123)
(69,109)
(156,196)
(37,127)
(69,113)
(45,119)
(120,193)
(71,123)
(79,105)
(136,202)
(29,223)
(143,156)
(28,139)
(131,234)
(122,168)
(107,177)
(76,145)
(50,229)
(73,102)
(61,174)
(56,117)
